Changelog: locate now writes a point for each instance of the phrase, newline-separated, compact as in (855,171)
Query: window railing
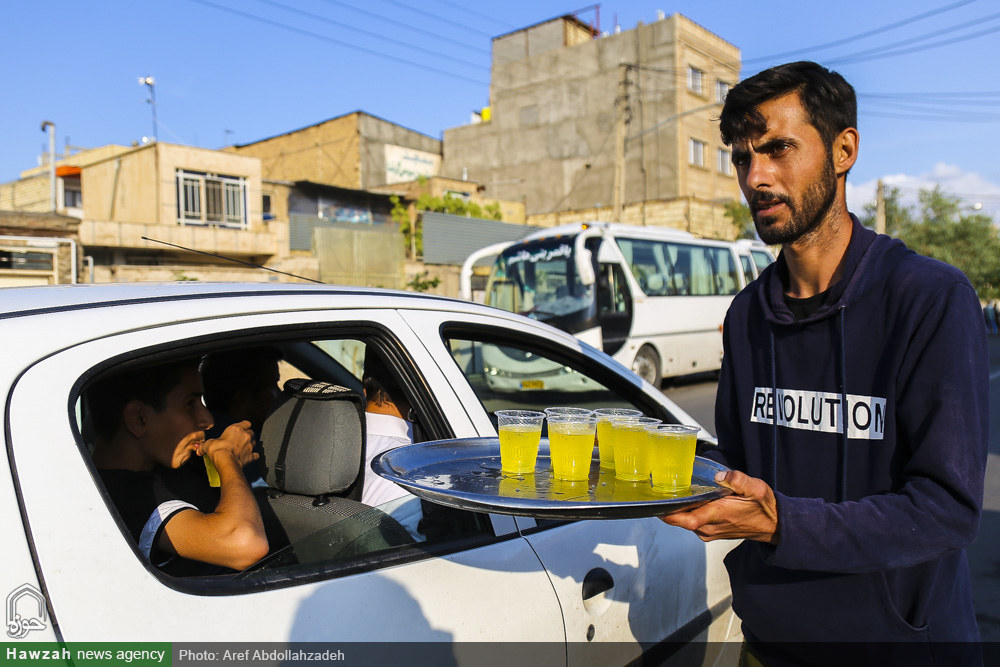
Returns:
(211,199)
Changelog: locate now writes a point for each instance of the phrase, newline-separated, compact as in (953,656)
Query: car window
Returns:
(526,375)
(361,521)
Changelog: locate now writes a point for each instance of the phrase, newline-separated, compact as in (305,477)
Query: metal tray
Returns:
(465,473)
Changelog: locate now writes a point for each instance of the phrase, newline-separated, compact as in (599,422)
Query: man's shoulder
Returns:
(909,270)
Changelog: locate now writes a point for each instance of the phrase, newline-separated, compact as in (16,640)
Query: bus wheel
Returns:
(647,365)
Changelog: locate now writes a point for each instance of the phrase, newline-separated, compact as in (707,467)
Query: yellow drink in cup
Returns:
(520,431)
(673,450)
(606,433)
(631,448)
(571,445)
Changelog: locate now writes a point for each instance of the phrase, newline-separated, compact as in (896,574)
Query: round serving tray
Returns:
(465,473)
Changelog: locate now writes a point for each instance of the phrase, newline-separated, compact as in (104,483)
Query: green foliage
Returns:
(742,221)
(421,283)
(898,218)
(180,276)
(940,230)
(447,204)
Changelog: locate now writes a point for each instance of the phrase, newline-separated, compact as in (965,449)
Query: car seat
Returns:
(313,452)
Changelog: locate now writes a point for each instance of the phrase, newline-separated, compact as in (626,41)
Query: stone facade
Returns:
(562,108)
(356,150)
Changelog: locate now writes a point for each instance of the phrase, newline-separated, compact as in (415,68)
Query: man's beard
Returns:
(804,216)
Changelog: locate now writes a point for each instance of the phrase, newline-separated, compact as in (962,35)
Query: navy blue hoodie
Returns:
(872,522)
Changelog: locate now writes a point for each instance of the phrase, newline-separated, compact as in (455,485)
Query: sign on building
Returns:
(408,164)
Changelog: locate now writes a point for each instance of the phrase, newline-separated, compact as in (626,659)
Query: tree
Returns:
(742,221)
(448,204)
(898,216)
(970,243)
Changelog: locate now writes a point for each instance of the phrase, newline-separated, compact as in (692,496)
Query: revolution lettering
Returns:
(820,411)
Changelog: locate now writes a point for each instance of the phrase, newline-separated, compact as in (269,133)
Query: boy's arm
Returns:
(233,535)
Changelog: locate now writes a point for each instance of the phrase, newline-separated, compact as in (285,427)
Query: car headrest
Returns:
(314,441)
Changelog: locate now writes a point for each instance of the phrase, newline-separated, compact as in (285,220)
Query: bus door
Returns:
(614,302)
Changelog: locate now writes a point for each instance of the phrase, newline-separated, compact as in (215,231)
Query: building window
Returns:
(695,80)
(725,159)
(72,193)
(721,90)
(211,199)
(696,153)
(266,207)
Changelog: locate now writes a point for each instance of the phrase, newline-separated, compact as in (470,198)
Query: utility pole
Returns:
(623,117)
(51,127)
(880,207)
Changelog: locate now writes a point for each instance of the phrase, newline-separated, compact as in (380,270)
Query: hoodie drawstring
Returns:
(774,420)
(843,404)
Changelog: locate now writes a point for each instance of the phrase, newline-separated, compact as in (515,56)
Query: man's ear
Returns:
(134,417)
(845,150)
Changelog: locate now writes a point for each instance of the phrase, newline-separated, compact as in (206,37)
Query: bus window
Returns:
(726,279)
(748,268)
(649,264)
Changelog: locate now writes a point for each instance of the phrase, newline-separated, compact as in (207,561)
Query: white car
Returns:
(600,592)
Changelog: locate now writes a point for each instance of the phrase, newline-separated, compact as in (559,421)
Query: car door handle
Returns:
(596,582)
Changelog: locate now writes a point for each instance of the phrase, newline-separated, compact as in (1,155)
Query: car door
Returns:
(100,590)
(633,582)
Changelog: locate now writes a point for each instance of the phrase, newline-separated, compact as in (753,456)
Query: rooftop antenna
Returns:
(151,83)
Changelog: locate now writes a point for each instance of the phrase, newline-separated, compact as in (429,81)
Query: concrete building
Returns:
(584,126)
(39,249)
(356,150)
(140,207)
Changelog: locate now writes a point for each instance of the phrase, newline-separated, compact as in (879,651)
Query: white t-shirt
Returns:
(384,432)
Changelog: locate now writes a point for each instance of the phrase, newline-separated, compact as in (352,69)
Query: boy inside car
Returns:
(149,421)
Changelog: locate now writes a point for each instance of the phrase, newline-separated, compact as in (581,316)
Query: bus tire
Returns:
(647,365)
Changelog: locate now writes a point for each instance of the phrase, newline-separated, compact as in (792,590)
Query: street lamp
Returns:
(151,83)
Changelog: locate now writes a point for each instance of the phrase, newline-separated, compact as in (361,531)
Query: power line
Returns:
(459,6)
(925,47)
(863,35)
(376,35)
(436,17)
(875,54)
(362,49)
(408,26)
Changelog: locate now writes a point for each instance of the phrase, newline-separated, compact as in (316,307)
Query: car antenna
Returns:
(231,259)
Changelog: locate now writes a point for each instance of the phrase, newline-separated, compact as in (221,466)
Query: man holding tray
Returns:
(852,407)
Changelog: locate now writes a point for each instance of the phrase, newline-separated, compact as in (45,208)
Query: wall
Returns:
(377,134)
(328,152)
(702,218)
(551,140)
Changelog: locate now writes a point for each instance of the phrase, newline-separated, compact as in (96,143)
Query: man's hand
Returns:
(237,440)
(751,512)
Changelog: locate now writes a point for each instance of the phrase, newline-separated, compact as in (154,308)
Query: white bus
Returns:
(654,298)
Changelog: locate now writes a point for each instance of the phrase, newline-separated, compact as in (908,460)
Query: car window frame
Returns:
(397,357)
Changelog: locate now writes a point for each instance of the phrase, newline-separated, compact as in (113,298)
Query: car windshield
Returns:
(538,279)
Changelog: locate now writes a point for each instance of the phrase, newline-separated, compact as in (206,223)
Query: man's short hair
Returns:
(106,399)
(224,373)
(379,383)
(826,96)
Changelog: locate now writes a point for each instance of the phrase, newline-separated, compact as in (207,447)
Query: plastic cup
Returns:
(571,445)
(520,431)
(632,447)
(672,448)
(605,433)
(572,412)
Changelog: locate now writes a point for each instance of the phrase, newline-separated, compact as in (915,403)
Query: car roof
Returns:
(24,301)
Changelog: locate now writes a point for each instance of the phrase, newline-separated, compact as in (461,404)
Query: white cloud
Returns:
(971,188)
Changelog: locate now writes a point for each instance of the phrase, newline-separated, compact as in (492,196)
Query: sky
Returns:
(236,71)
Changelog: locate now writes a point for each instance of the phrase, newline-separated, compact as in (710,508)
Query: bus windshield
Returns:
(539,279)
